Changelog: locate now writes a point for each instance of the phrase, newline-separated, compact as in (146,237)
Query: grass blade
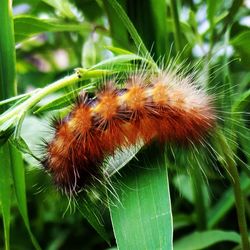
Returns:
(130,27)
(11,158)
(7,89)
(5,192)
(201,240)
(37,25)
(141,214)
(18,174)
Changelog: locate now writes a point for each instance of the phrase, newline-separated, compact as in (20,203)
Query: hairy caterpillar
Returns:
(164,106)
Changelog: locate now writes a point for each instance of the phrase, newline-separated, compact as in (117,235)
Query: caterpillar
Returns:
(166,107)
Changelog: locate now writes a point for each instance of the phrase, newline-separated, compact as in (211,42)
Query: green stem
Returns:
(201,220)
(177,34)
(37,96)
(231,168)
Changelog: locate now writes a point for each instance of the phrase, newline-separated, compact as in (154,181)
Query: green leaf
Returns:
(117,28)
(212,7)
(241,102)
(7,89)
(121,59)
(65,8)
(225,203)
(241,44)
(18,175)
(5,134)
(149,19)
(62,101)
(19,98)
(22,146)
(140,207)
(120,159)
(122,16)
(5,191)
(37,26)
(176,25)
(92,212)
(7,53)
(118,51)
(201,240)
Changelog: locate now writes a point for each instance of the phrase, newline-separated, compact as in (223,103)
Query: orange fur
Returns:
(168,108)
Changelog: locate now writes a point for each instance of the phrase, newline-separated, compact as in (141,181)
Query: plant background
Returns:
(54,37)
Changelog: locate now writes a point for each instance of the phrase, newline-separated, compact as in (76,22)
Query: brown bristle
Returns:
(166,108)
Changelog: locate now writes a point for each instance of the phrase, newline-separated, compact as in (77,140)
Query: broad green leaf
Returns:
(140,205)
(201,240)
(37,26)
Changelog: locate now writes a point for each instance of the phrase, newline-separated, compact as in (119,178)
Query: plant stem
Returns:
(200,208)
(37,96)
(175,16)
(231,168)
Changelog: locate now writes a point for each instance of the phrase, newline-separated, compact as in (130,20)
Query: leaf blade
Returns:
(141,216)
(38,25)
(201,240)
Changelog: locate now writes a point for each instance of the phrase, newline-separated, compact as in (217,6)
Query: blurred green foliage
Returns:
(52,38)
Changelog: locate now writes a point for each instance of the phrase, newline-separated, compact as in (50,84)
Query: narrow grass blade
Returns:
(226,202)
(7,89)
(10,157)
(130,27)
(92,212)
(5,191)
(18,174)
(201,240)
(37,25)
(7,52)
(62,101)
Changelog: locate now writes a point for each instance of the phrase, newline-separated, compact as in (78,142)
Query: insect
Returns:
(166,106)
